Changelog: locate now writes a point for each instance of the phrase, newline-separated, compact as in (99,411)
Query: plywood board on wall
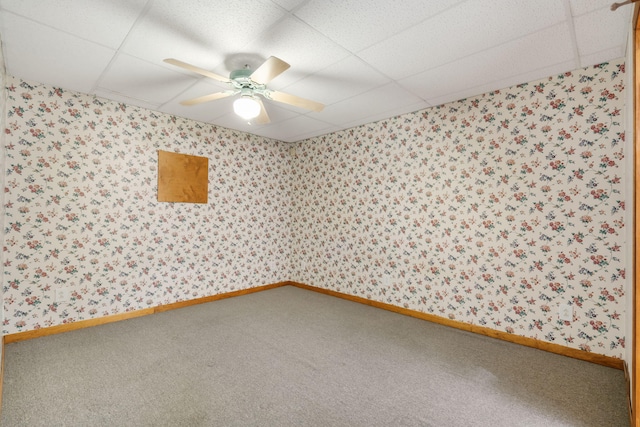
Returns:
(182,178)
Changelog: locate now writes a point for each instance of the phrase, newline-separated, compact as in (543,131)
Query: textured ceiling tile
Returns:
(303,48)
(596,32)
(54,57)
(229,120)
(367,104)
(603,56)
(339,81)
(288,4)
(357,24)
(118,97)
(201,112)
(439,49)
(579,7)
(466,29)
(495,65)
(307,135)
(199,32)
(405,109)
(289,129)
(527,77)
(106,23)
(277,113)
(145,81)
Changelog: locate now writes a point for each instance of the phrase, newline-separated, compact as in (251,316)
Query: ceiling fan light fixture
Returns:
(249,84)
(246,107)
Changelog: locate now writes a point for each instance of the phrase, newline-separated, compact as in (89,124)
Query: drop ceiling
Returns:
(365,60)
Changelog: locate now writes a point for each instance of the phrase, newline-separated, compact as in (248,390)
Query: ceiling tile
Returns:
(304,136)
(357,24)
(277,113)
(230,120)
(579,7)
(596,32)
(463,30)
(494,65)
(405,109)
(198,32)
(366,60)
(105,23)
(202,112)
(289,4)
(339,81)
(527,77)
(145,81)
(289,129)
(54,57)
(303,48)
(118,97)
(607,55)
(368,104)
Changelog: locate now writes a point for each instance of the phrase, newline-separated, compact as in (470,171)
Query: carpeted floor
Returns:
(292,357)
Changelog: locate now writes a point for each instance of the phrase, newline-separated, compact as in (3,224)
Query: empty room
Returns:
(319,212)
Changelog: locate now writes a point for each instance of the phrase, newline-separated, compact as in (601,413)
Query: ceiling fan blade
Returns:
(210,97)
(296,101)
(196,70)
(263,117)
(269,70)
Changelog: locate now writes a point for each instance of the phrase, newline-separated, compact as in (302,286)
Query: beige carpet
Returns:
(292,357)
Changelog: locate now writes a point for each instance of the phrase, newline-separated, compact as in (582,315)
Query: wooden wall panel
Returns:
(635,333)
(182,178)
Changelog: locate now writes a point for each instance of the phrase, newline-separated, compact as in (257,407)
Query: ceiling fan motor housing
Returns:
(241,81)
(244,74)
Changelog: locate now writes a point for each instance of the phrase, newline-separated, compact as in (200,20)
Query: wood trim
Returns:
(1,372)
(599,359)
(627,378)
(81,324)
(634,391)
(217,297)
(529,342)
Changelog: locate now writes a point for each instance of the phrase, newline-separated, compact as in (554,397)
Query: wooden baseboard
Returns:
(627,378)
(81,324)
(529,342)
(1,372)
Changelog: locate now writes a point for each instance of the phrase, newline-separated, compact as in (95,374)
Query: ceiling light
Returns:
(246,107)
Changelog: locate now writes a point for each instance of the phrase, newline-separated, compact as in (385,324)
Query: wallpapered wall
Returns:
(82,210)
(492,210)
(3,117)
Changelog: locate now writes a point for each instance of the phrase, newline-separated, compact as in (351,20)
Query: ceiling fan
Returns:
(249,84)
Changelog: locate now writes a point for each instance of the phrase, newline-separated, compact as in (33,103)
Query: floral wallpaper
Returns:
(3,117)
(492,210)
(82,212)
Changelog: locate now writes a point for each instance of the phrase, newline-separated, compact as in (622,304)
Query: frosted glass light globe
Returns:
(246,107)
